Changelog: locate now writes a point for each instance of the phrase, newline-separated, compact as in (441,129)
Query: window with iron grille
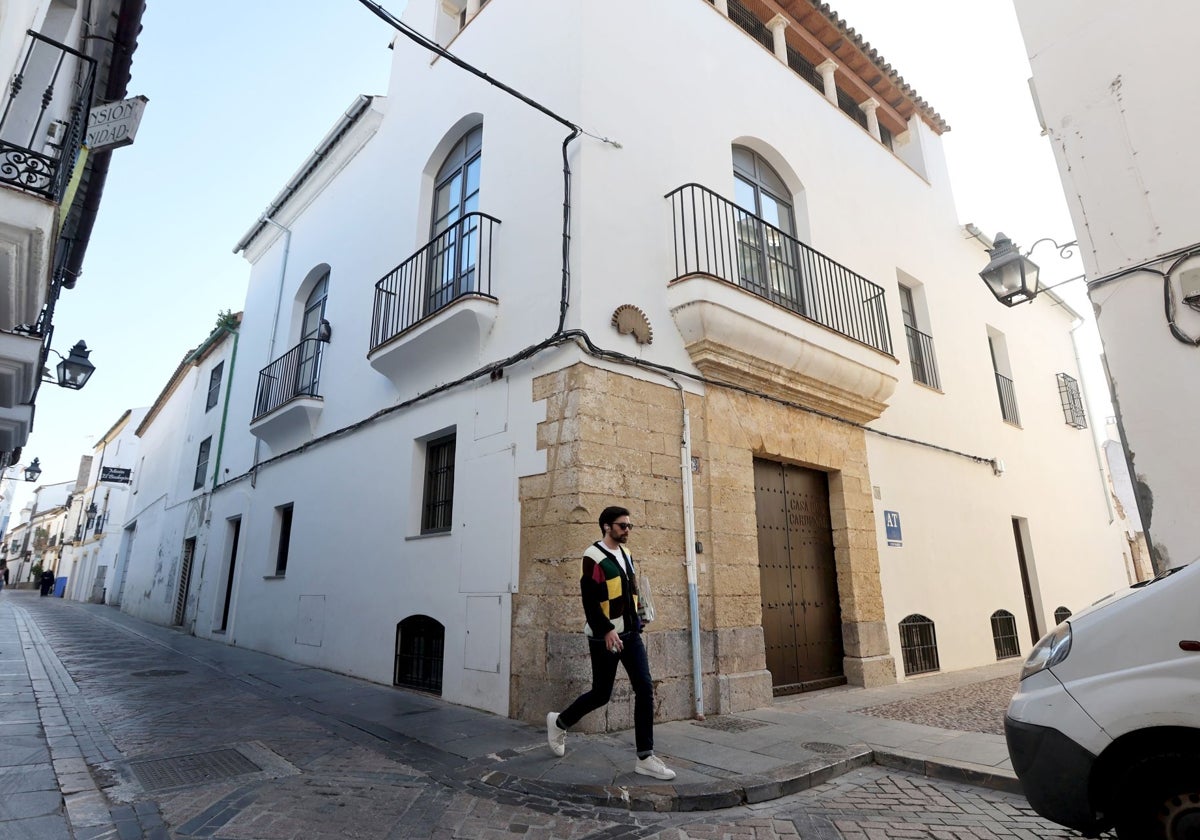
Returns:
(1061,614)
(214,386)
(283,548)
(1004,634)
(920,343)
(850,107)
(1072,402)
(437,507)
(202,463)
(998,347)
(420,644)
(918,644)
(805,69)
(754,27)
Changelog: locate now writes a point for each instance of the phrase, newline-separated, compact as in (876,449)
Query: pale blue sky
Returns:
(241,91)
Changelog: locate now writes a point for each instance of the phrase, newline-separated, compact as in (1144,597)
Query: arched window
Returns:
(918,645)
(454,229)
(1061,614)
(308,373)
(766,231)
(420,646)
(1004,634)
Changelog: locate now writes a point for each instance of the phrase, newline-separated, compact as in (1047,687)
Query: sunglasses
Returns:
(624,526)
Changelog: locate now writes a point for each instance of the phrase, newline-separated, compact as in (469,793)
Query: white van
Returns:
(1105,728)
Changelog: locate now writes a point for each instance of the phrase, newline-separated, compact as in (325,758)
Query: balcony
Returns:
(920,354)
(288,402)
(44,118)
(1008,399)
(20,363)
(437,302)
(758,307)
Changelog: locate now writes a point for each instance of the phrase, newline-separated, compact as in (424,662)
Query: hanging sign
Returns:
(114,124)
(119,475)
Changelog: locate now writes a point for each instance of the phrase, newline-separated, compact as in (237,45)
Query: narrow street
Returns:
(150,733)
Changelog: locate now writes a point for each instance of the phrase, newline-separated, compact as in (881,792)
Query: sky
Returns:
(242,91)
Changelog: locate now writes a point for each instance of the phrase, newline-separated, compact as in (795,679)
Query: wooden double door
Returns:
(802,617)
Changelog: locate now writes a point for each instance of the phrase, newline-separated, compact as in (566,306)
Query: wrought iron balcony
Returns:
(457,263)
(44,118)
(920,353)
(296,373)
(717,238)
(1008,399)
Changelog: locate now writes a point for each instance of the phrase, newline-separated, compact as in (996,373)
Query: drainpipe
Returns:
(225,410)
(689,537)
(287,247)
(1095,443)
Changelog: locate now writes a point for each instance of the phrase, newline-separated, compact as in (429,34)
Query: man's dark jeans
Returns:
(604,671)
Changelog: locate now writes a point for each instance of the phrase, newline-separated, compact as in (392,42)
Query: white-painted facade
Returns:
(98,511)
(677,86)
(159,546)
(1120,126)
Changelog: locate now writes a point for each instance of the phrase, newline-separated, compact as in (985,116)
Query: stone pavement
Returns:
(114,728)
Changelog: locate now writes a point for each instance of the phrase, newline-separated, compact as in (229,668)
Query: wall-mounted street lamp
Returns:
(1011,276)
(34,471)
(74,370)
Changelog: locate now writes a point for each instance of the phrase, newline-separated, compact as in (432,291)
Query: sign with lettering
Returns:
(891,522)
(114,124)
(119,475)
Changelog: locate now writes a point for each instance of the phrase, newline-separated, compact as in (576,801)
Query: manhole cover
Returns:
(822,747)
(158,673)
(729,724)
(160,773)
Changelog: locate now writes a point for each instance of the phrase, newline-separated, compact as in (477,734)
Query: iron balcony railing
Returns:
(1008,399)
(715,237)
(296,373)
(45,116)
(457,262)
(920,353)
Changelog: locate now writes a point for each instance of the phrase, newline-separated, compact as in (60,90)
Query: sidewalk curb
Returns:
(703,796)
(752,788)
(979,775)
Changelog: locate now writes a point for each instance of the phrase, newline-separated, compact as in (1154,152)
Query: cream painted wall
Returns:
(1121,125)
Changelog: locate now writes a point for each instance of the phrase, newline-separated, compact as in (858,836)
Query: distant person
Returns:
(608,587)
(3,574)
(47,582)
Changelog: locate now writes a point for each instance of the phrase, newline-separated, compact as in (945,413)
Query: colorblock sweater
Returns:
(610,598)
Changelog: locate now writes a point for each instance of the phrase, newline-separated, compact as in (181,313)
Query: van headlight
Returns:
(1051,650)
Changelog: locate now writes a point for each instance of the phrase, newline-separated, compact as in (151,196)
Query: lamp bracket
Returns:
(1065,251)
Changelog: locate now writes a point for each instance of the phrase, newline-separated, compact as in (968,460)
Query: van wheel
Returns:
(1161,796)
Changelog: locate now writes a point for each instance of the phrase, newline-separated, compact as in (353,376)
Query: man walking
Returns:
(608,587)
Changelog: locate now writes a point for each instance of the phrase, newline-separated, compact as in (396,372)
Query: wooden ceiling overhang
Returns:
(819,34)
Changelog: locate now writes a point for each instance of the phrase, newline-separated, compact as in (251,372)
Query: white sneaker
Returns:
(556,737)
(652,765)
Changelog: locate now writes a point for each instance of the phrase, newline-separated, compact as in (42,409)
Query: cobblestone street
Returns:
(173,741)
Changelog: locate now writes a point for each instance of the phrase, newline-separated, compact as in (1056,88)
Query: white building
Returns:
(98,512)
(1120,127)
(164,530)
(58,58)
(36,541)
(767,342)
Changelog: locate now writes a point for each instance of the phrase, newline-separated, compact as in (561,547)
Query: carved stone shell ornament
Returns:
(628,319)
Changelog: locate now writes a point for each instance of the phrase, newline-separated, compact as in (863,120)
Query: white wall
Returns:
(357,564)
(165,508)
(1120,123)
